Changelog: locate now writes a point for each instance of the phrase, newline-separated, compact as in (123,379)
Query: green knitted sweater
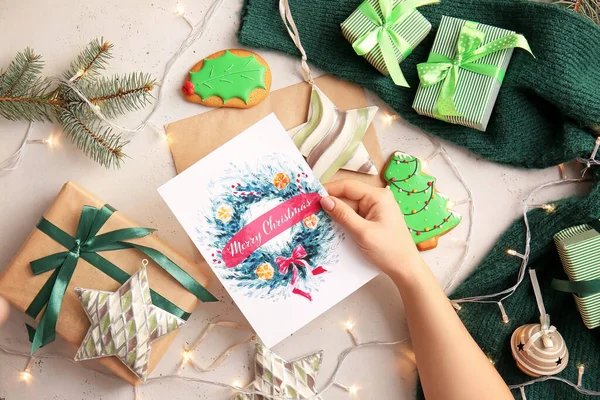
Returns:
(544,115)
(544,106)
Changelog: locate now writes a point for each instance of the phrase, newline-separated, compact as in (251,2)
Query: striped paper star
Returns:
(332,139)
(293,380)
(124,323)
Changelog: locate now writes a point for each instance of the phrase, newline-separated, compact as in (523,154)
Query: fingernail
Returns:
(327,203)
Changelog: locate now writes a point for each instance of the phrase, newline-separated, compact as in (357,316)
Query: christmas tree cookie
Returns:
(230,78)
(426,211)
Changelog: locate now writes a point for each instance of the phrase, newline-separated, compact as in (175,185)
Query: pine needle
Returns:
(21,73)
(96,141)
(90,62)
(588,8)
(24,95)
(117,95)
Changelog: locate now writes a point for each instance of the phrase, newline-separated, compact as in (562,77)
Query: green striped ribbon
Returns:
(387,34)
(85,244)
(469,49)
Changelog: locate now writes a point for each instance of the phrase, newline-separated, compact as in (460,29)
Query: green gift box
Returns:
(462,77)
(579,251)
(385,32)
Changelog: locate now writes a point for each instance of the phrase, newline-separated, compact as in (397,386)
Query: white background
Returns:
(146,34)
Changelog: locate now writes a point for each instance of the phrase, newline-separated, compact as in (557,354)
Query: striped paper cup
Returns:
(413,29)
(579,250)
(475,93)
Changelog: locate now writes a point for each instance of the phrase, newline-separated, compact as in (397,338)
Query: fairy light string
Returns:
(236,386)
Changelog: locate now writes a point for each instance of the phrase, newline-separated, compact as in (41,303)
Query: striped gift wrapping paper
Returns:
(475,94)
(579,251)
(413,29)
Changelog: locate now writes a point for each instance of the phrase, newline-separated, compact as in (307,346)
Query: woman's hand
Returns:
(4,309)
(447,356)
(373,218)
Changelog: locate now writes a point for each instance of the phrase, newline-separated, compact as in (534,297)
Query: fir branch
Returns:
(26,96)
(90,62)
(588,8)
(117,95)
(98,142)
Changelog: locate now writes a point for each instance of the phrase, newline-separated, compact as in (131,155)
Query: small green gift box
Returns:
(579,250)
(462,77)
(385,32)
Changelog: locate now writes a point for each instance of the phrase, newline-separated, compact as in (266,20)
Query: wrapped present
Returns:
(578,247)
(464,72)
(385,32)
(82,242)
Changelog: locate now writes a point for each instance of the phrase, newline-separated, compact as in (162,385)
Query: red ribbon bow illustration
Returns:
(295,261)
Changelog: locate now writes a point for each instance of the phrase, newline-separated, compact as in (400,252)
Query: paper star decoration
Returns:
(332,139)
(274,375)
(124,323)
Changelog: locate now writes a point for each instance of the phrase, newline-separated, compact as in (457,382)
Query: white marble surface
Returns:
(145,35)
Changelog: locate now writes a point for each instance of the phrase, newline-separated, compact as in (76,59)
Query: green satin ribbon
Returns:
(86,244)
(469,49)
(384,35)
(581,288)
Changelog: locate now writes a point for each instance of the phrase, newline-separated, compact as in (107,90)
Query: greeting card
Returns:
(252,209)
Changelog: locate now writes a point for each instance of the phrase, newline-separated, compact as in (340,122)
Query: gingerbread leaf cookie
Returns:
(227,76)
(426,211)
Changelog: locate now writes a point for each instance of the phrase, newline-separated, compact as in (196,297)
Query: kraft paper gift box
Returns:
(477,79)
(578,248)
(20,286)
(386,32)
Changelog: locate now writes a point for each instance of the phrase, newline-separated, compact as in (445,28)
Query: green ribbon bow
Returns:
(86,244)
(469,49)
(384,35)
(581,288)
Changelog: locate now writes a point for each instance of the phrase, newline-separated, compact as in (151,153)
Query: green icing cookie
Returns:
(228,76)
(425,211)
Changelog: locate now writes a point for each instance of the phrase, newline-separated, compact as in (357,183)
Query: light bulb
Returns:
(236,384)
(388,118)
(353,389)
(187,356)
(511,252)
(25,376)
(179,10)
(580,371)
(349,325)
(49,141)
(450,205)
(549,208)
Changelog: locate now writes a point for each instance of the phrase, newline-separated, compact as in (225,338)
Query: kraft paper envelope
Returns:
(193,138)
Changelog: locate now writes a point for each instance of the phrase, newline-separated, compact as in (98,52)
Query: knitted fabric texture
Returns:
(547,106)
(544,115)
